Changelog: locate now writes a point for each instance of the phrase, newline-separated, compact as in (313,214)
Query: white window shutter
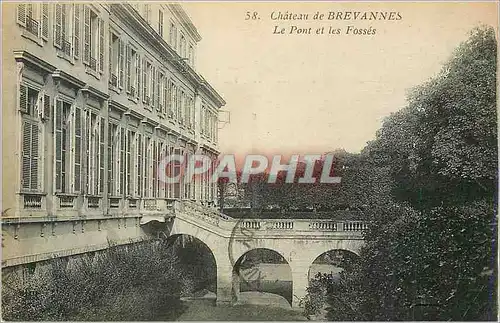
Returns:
(138,74)
(86,34)
(101,45)
(122,162)
(76,30)
(152,78)
(102,125)
(45,21)
(121,52)
(144,79)
(21,14)
(129,67)
(46,107)
(58,25)
(58,142)
(26,155)
(23,98)
(77,170)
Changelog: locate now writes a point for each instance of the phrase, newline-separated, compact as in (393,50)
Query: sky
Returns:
(313,93)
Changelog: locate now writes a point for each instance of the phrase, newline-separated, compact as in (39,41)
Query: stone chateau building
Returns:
(94,96)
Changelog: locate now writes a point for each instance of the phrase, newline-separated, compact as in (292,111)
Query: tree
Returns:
(429,252)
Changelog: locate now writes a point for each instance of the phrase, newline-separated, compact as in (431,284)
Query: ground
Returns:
(205,310)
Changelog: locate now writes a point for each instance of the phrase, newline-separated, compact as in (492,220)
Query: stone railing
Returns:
(297,225)
(204,213)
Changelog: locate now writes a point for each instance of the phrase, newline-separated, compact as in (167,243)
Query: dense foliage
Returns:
(430,251)
(125,283)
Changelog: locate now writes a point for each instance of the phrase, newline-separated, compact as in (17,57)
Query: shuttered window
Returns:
(122,161)
(45,21)
(160,23)
(148,169)
(21,14)
(95,153)
(101,45)
(111,158)
(77,170)
(23,98)
(86,34)
(139,165)
(144,79)
(101,154)
(129,67)
(30,156)
(76,33)
(58,25)
(129,165)
(154,169)
(152,86)
(121,62)
(58,145)
(138,75)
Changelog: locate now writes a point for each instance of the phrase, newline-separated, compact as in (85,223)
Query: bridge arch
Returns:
(333,262)
(197,261)
(264,271)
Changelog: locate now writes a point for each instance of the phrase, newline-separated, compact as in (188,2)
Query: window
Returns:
(152,86)
(131,70)
(147,12)
(129,165)
(63,34)
(147,166)
(160,23)
(161,93)
(139,162)
(34,18)
(182,46)
(94,128)
(62,145)
(93,40)
(146,81)
(121,149)
(191,55)
(76,32)
(112,162)
(171,99)
(154,173)
(138,73)
(191,119)
(30,101)
(176,171)
(173,35)
(114,58)
(68,144)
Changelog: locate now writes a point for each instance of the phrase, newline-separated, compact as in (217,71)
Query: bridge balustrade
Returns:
(354,226)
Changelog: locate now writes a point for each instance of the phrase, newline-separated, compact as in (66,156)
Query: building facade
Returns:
(94,96)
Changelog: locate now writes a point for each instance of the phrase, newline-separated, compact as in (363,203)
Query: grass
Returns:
(205,310)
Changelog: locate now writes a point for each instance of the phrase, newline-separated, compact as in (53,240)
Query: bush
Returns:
(133,282)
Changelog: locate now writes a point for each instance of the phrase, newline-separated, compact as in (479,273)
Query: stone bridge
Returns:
(298,241)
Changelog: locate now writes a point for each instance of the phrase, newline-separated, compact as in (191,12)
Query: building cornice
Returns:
(95,92)
(60,75)
(210,149)
(184,19)
(117,105)
(27,57)
(150,121)
(127,13)
(134,114)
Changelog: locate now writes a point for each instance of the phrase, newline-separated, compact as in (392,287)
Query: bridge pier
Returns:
(300,283)
(224,282)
